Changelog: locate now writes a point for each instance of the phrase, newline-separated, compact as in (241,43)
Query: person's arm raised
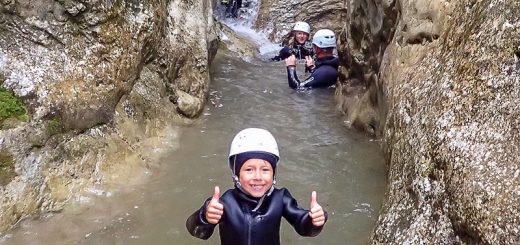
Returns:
(202,222)
(292,77)
(305,222)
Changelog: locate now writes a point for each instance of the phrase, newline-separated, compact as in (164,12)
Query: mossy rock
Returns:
(7,172)
(10,123)
(54,126)
(11,107)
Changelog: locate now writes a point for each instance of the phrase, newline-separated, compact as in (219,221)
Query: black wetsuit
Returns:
(325,74)
(240,225)
(299,50)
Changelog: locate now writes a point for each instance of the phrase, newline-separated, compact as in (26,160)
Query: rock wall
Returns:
(453,121)
(277,17)
(439,82)
(369,27)
(103,81)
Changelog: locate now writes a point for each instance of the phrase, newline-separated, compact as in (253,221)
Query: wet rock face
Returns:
(438,81)
(445,79)
(97,78)
(279,16)
(369,28)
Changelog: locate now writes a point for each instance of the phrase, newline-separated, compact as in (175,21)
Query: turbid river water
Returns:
(317,153)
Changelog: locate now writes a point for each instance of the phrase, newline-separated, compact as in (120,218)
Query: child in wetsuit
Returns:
(251,212)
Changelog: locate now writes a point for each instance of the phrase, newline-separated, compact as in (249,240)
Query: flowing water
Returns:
(317,153)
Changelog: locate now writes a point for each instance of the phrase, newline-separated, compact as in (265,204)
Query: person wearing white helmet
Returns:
(251,212)
(299,45)
(324,72)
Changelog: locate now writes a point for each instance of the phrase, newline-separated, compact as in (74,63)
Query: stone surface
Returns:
(439,82)
(239,44)
(188,105)
(443,78)
(97,78)
(277,17)
(460,106)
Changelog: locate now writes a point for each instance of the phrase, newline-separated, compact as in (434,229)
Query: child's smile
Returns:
(253,157)
(256,177)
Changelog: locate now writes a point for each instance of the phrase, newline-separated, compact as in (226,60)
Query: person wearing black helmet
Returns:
(251,213)
(324,71)
(299,45)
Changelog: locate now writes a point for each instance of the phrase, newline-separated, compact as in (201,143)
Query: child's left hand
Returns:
(316,213)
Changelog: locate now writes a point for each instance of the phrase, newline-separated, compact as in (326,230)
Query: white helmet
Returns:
(253,140)
(324,38)
(302,26)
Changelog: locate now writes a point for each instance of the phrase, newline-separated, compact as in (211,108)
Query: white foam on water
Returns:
(243,25)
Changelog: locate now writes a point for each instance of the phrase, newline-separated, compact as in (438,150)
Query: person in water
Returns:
(251,212)
(300,46)
(232,7)
(324,72)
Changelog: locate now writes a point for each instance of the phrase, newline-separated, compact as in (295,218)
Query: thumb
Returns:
(314,200)
(216,193)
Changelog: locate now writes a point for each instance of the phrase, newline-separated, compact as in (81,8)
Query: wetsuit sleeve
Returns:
(321,77)
(283,54)
(292,77)
(298,217)
(197,224)
(294,81)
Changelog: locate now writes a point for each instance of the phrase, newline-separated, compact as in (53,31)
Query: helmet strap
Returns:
(236,181)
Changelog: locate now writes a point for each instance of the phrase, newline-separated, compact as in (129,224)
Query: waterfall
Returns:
(243,23)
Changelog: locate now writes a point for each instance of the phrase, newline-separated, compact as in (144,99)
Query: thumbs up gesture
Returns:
(316,213)
(215,209)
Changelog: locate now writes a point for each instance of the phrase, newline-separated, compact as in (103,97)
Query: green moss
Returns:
(222,45)
(53,127)
(7,172)
(483,16)
(11,107)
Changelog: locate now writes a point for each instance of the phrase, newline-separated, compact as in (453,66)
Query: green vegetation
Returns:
(11,107)
(54,127)
(222,45)
(7,172)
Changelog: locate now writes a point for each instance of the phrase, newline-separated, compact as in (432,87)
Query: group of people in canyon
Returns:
(323,69)
(251,212)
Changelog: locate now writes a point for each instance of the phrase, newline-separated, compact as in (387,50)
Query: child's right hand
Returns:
(215,209)
(316,213)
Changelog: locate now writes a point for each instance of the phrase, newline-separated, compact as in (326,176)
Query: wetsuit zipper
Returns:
(250,222)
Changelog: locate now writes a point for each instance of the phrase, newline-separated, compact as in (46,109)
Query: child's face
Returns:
(256,177)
